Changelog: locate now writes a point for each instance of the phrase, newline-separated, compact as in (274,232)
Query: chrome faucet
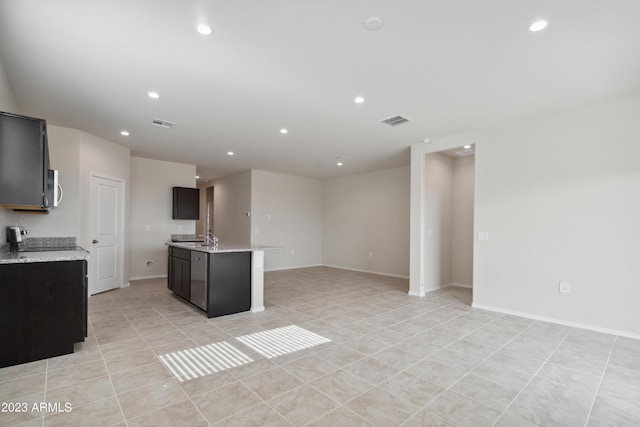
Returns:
(210,239)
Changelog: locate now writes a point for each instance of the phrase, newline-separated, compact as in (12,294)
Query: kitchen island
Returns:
(220,279)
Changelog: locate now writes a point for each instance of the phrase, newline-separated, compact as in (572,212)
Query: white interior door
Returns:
(105,234)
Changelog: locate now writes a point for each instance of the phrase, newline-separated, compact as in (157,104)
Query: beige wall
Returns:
(151,210)
(462,221)
(7,104)
(438,220)
(286,211)
(558,196)
(202,221)
(232,202)
(65,220)
(366,222)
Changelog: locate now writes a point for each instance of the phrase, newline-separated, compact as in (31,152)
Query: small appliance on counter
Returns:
(14,236)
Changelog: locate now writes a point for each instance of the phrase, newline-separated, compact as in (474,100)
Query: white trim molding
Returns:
(558,321)
(157,276)
(458,285)
(377,273)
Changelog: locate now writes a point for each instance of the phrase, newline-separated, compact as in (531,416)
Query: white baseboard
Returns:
(159,276)
(366,271)
(126,285)
(293,268)
(558,321)
(458,285)
(426,291)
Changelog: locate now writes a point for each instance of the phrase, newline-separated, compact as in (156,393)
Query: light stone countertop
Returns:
(199,246)
(7,257)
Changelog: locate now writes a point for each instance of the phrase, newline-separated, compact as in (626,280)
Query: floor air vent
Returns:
(395,120)
(163,123)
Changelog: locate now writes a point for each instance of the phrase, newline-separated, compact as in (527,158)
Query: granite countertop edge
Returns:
(7,257)
(197,246)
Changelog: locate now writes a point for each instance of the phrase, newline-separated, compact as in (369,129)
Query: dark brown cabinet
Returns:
(229,283)
(186,203)
(179,279)
(24,161)
(43,309)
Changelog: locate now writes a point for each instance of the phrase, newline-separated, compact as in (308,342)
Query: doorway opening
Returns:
(106,233)
(442,216)
(449,177)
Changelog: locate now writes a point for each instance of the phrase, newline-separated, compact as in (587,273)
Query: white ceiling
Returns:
(448,65)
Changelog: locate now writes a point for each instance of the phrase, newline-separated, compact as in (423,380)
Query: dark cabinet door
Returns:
(42,310)
(186,203)
(181,277)
(23,162)
(170,271)
(229,283)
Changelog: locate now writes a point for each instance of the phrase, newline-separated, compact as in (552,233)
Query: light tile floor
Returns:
(393,360)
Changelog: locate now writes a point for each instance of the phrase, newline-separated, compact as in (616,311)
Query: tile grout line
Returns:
(420,408)
(106,367)
(424,407)
(144,297)
(156,359)
(534,374)
(604,371)
(46,380)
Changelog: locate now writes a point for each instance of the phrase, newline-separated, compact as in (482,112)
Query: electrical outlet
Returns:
(564,288)
(147,227)
(483,235)
(370,255)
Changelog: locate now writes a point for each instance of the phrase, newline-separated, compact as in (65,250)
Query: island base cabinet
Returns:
(179,274)
(229,287)
(43,310)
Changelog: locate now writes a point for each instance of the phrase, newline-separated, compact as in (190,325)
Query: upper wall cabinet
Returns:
(24,163)
(186,203)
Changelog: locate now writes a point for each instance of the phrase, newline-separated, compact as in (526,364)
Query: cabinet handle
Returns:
(94,241)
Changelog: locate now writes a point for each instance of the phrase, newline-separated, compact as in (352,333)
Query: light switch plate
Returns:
(483,235)
(564,288)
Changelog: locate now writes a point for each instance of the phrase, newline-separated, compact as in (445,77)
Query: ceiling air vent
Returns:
(163,123)
(395,120)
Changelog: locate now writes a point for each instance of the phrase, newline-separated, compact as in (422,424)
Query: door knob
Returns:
(94,241)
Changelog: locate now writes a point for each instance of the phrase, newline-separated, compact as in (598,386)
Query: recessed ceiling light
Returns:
(373,23)
(283,131)
(197,177)
(538,25)
(466,147)
(204,29)
(339,161)
(153,95)
(230,153)
(358,100)
(124,133)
